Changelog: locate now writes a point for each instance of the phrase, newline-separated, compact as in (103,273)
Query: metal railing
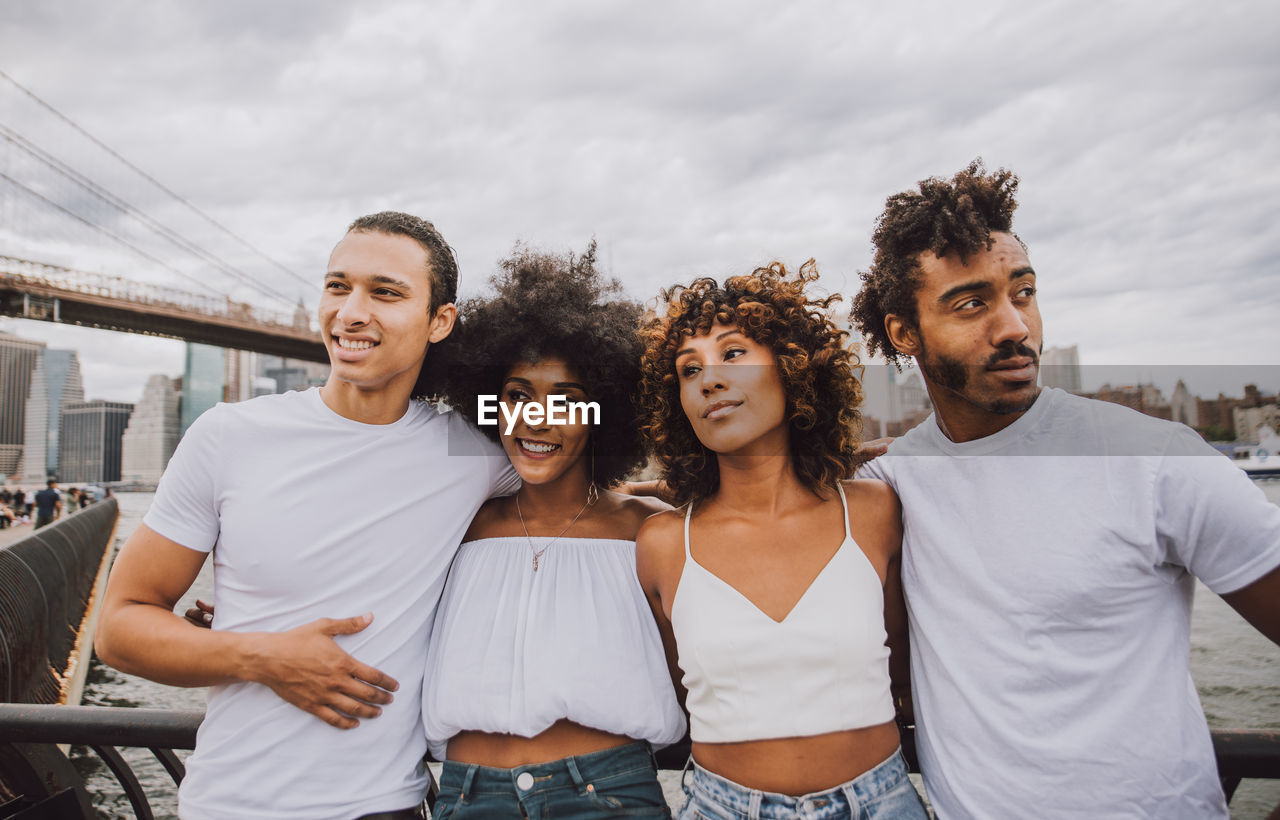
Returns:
(38,774)
(46,580)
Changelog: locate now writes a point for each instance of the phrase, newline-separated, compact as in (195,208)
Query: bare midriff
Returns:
(564,738)
(800,765)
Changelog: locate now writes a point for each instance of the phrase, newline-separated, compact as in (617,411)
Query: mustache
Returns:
(1013,350)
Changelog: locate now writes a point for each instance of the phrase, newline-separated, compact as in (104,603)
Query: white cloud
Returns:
(691,138)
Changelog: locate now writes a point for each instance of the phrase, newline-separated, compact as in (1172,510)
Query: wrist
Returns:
(250,653)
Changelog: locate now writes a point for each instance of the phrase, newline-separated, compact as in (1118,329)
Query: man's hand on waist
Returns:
(306,667)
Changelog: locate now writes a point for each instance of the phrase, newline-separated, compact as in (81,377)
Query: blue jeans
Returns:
(618,782)
(883,793)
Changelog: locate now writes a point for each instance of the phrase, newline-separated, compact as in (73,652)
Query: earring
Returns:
(593,492)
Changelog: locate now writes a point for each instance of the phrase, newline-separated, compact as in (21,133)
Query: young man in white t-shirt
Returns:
(332,515)
(1051,542)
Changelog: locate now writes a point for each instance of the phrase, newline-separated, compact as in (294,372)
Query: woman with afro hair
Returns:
(546,683)
(776,579)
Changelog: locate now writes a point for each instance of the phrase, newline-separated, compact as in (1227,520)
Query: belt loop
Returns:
(851,796)
(753,804)
(571,763)
(467,780)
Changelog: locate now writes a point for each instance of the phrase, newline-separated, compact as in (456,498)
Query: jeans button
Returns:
(524,781)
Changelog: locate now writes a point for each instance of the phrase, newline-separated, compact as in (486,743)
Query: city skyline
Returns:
(1229,381)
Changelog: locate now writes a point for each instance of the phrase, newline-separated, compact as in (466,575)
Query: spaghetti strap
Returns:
(687,515)
(844,504)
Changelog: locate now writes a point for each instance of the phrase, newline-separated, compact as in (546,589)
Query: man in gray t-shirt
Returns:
(1050,541)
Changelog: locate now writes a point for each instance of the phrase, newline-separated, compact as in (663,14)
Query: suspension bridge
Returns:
(32,290)
(70,203)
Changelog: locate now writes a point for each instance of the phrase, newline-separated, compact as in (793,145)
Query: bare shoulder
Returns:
(872,498)
(626,513)
(489,519)
(640,507)
(661,536)
(875,516)
(660,552)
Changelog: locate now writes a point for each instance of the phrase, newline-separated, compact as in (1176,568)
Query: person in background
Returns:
(1052,541)
(48,504)
(776,582)
(546,683)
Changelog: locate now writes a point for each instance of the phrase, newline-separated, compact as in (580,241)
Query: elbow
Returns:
(106,640)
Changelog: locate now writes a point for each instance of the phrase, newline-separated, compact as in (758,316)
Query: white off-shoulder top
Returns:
(514,651)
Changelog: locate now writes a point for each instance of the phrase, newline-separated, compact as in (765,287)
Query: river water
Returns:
(1236,670)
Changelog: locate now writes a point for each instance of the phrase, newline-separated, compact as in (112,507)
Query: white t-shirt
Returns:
(1048,572)
(312,515)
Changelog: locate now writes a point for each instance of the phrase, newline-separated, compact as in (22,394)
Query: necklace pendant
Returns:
(535,563)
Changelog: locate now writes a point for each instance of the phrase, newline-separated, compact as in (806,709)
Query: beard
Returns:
(953,375)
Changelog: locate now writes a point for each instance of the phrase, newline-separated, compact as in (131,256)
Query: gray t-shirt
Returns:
(1048,571)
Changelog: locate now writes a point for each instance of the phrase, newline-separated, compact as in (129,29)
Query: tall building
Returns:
(1183,406)
(1060,367)
(55,382)
(18,359)
(90,442)
(204,381)
(152,433)
(242,367)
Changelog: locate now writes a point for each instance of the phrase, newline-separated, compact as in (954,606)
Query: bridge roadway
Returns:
(32,290)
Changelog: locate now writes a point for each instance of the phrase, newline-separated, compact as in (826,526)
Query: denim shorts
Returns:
(618,782)
(882,793)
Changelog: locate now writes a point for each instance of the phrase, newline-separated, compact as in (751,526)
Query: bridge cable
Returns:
(48,107)
(110,235)
(121,205)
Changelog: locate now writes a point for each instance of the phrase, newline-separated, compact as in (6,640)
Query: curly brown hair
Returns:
(556,304)
(771,307)
(957,215)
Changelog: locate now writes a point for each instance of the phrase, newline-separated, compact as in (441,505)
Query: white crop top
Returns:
(823,668)
(513,650)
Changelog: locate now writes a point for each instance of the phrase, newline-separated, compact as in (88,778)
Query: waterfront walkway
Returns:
(9,535)
(12,534)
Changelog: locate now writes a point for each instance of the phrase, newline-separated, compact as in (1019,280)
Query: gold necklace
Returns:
(537,553)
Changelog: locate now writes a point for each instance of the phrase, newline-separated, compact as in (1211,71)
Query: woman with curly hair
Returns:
(546,682)
(776,584)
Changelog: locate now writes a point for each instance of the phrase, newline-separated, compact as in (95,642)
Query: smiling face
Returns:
(731,391)
(375,313)
(977,338)
(545,452)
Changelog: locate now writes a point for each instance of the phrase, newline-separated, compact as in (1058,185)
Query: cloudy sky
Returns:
(689,138)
